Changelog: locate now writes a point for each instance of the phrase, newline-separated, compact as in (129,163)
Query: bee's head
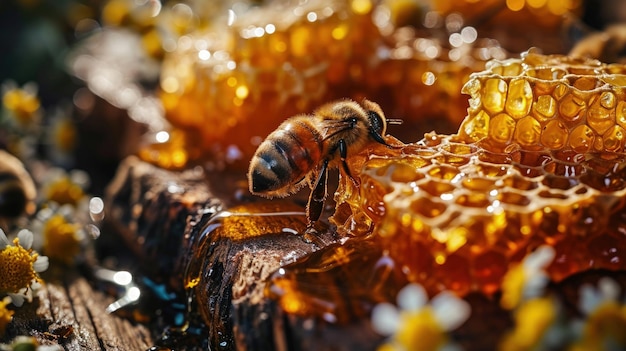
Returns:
(377,121)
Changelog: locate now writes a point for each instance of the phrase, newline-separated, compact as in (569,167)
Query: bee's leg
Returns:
(343,154)
(318,195)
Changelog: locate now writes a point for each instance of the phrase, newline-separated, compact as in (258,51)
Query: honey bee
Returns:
(304,147)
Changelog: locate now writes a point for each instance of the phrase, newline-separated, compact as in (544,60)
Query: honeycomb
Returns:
(538,160)
(547,102)
(272,62)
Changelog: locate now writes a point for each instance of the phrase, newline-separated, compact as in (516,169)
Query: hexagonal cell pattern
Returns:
(538,160)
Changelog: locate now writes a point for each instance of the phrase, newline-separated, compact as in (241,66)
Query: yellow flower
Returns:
(526,279)
(63,191)
(419,324)
(61,239)
(6,315)
(420,330)
(513,287)
(19,265)
(22,104)
(533,319)
(605,324)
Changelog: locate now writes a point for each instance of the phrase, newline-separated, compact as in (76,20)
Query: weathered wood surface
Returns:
(68,311)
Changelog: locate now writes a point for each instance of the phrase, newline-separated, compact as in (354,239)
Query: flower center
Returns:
(420,331)
(60,241)
(22,104)
(64,191)
(16,268)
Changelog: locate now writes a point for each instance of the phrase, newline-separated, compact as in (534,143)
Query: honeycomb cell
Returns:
(560,91)
(518,182)
(491,170)
(407,172)
(520,98)
(613,139)
(501,128)
(443,172)
(570,107)
(478,184)
(528,131)
(554,135)
(476,127)
(494,95)
(476,200)
(600,118)
(582,138)
(585,82)
(442,190)
(615,79)
(545,107)
(427,208)
(458,149)
(513,198)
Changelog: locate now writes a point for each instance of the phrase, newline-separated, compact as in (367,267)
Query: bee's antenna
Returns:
(394,121)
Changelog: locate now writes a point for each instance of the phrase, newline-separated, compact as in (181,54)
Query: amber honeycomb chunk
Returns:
(547,103)
(454,211)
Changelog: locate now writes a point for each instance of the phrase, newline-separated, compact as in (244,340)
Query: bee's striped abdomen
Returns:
(285,157)
(12,195)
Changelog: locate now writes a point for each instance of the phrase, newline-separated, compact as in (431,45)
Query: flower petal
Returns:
(450,310)
(25,237)
(41,264)
(35,285)
(589,298)
(412,297)
(17,299)
(539,259)
(609,289)
(385,318)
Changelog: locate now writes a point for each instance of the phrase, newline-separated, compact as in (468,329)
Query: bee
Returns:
(304,147)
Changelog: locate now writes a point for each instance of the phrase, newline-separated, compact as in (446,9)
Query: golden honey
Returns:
(538,160)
